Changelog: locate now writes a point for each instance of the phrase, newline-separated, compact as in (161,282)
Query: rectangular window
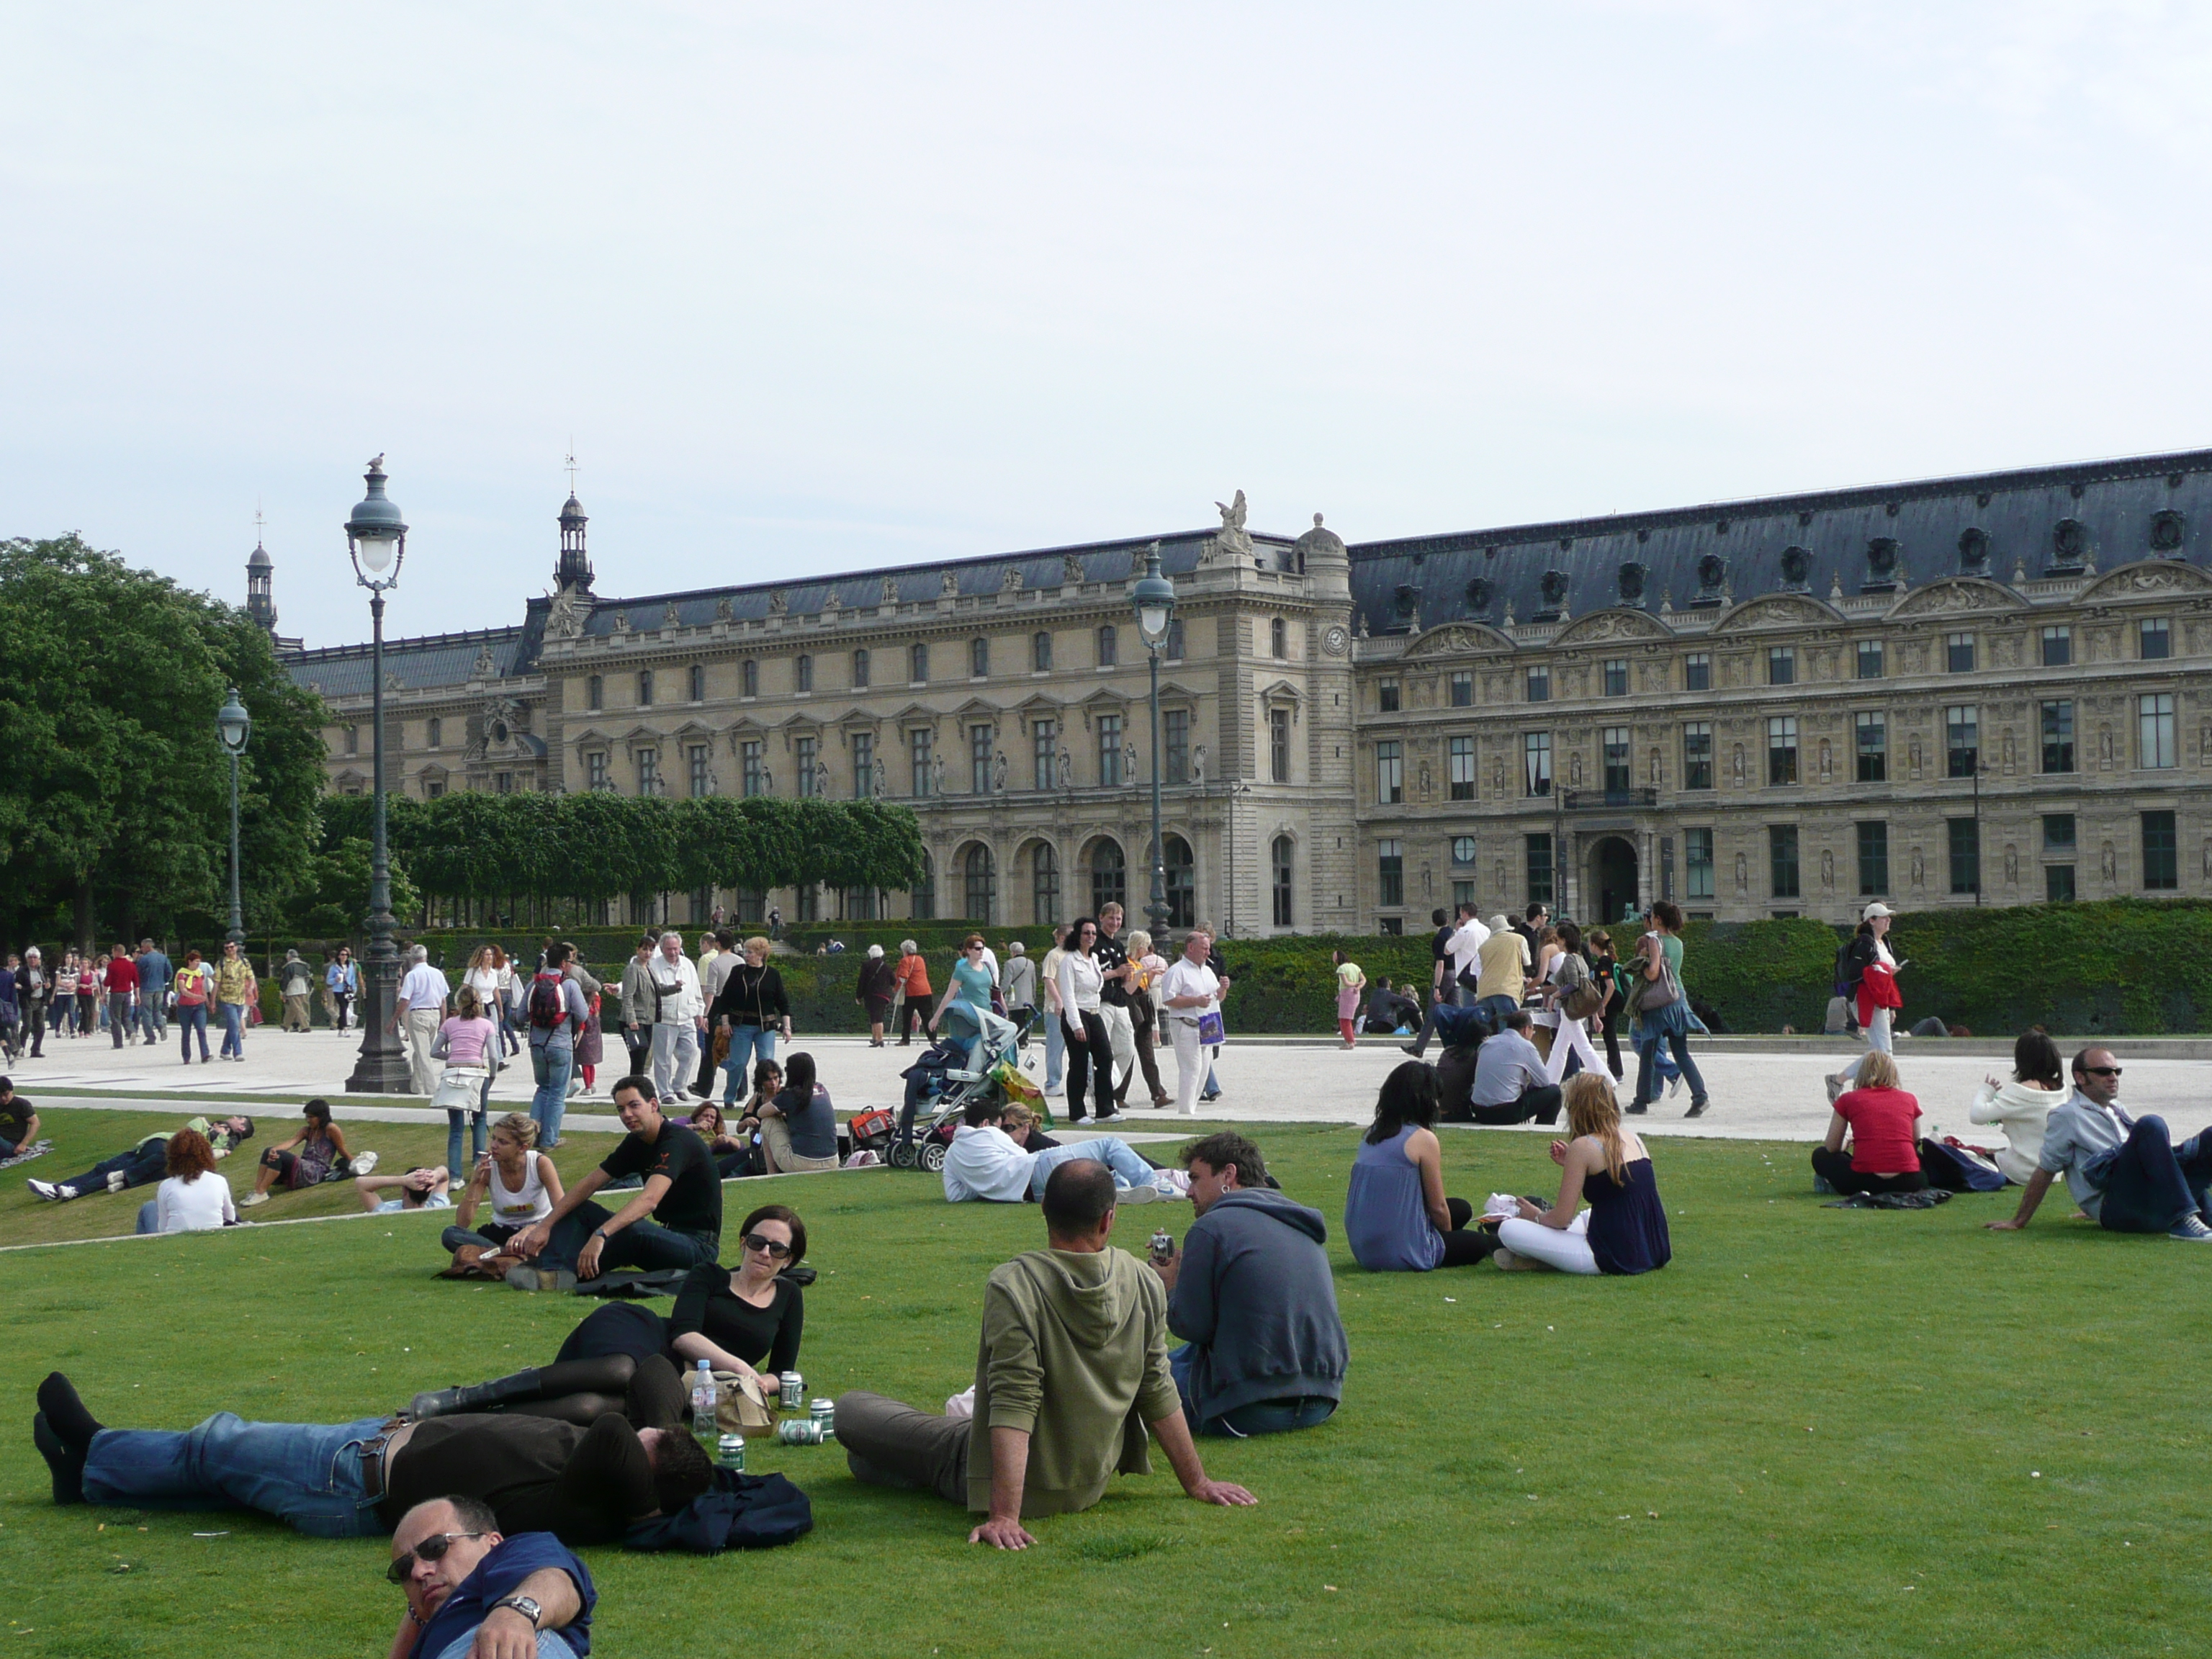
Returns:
(698,676)
(1463,893)
(1463,689)
(1615,738)
(1697,754)
(1869,660)
(1873,858)
(1462,768)
(860,671)
(2154,640)
(1279,638)
(1281,874)
(1386,696)
(1175,639)
(1697,672)
(1782,860)
(2155,739)
(1870,739)
(979,659)
(1110,645)
(1965,855)
(2058,884)
(1616,676)
(1539,856)
(648,771)
(919,742)
(1962,740)
(2161,861)
(1540,685)
(502,783)
(917,662)
(701,779)
(2059,833)
(1536,763)
(353,740)
(1279,745)
(1698,862)
(1040,653)
(1175,745)
(1782,749)
(1389,775)
(748,678)
(1044,735)
(752,775)
(2057,646)
(979,759)
(1959,653)
(863,765)
(595,692)
(595,769)
(434,787)
(1111,773)
(803,752)
(810,903)
(1782,665)
(2058,736)
(1390,872)
(437,731)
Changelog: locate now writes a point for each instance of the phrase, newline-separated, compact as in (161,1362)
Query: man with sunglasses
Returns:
(2125,1172)
(472,1592)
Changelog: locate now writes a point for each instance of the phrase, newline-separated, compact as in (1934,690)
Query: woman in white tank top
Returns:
(522,1186)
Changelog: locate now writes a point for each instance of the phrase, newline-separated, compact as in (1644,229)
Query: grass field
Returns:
(1818,1432)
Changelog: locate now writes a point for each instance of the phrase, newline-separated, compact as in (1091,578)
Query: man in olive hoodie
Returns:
(1072,1365)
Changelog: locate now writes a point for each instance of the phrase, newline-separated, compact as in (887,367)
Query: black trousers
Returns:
(1540,1104)
(1464,1246)
(1144,1026)
(1090,1059)
(1835,1169)
(913,1013)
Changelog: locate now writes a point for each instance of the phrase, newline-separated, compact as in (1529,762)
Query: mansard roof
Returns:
(418,665)
(2035,521)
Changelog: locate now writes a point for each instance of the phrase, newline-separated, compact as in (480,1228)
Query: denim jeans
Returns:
(1647,1060)
(551,1067)
(747,1044)
(139,1167)
(1055,1052)
(189,1020)
(1129,1170)
(549,1646)
(458,1171)
(152,1024)
(234,1028)
(307,1473)
(2150,1184)
(149,1216)
(646,1244)
(1260,1416)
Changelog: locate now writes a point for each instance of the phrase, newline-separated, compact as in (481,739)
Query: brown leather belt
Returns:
(372,1461)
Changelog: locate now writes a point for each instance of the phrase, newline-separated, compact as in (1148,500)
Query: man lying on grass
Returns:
(473,1593)
(1073,1365)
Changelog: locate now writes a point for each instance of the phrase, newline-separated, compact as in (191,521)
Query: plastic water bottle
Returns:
(703,1400)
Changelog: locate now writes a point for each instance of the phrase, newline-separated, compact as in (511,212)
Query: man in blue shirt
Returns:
(2126,1173)
(472,1594)
(154,973)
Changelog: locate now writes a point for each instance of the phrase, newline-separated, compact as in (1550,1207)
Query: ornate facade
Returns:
(1984,690)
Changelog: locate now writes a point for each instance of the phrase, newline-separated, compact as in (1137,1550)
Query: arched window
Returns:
(860,670)
(748,678)
(1279,638)
(1278,860)
(595,692)
(1040,652)
(918,667)
(698,684)
(1110,645)
(802,674)
(922,895)
(1109,875)
(645,688)
(980,879)
(979,659)
(1044,884)
(1181,884)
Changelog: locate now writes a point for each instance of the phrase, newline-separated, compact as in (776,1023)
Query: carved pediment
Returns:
(1455,639)
(2159,577)
(1954,595)
(1778,610)
(1618,623)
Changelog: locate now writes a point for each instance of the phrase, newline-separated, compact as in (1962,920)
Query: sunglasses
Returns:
(2102,1071)
(762,1242)
(432,1549)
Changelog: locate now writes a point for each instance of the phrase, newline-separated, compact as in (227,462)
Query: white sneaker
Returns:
(1145,1194)
(364,1163)
(1110,1117)
(1506,1262)
(1675,1087)
(253,1198)
(45,1190)
(115,1180)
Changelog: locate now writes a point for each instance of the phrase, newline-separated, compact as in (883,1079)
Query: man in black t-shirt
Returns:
(19,1121)
(1113,960)
(674,1221)
(1442,988)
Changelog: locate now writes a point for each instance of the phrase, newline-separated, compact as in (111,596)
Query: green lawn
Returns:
(1818,1432)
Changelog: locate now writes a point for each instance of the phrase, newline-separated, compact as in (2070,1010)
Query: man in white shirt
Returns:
(418,1014)
(1509,1077)
(1190,991)
(679,1018)
(984,1162)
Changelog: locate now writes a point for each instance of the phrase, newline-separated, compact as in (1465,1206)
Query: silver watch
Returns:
(524,1605)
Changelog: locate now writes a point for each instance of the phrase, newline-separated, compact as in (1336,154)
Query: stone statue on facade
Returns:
(822,780)
(1232,538)
(937,775)
(1198,766)
(484,668)
(999,771)
(565,619)
(1064,763)
(1129,762)
(880,789)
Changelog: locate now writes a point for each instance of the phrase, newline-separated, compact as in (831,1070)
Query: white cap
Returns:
(1877,908)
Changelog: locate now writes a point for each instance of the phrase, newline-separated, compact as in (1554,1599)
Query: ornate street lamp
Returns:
(1155,600)
(233,726)
(376,539)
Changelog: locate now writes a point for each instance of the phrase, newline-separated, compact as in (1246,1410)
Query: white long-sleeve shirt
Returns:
(1466,942)
(1080,982)
(984,1161)
(680,981)
(194,1205)
(2023,1112)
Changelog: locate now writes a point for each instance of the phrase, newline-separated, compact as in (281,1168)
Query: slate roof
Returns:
(419,665)
(2114,512)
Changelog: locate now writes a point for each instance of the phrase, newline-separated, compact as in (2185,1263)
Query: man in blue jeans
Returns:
(984,1162)
(2126,1173)
(154,974)
(557,1012)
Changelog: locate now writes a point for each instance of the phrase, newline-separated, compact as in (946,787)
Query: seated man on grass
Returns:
(146,1161)
(19,1122)
(1251,1294)
(420,1189)
(1509,1077)
(675,1220)
(356,1480)
(2125,1172)
(474,1593)
(984,1162)
(1073,1366)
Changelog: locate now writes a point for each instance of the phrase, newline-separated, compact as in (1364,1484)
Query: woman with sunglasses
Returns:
(1090,1051)
(966,1005)
(753,1318)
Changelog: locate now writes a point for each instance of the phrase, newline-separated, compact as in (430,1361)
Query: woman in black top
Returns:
(748,1322)
(753,1008)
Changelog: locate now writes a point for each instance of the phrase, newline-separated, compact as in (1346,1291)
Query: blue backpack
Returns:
(1958,1171)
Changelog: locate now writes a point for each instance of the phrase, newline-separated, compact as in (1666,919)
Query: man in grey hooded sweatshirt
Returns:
(1252,1295)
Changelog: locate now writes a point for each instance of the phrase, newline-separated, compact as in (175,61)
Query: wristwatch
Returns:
(524,1605)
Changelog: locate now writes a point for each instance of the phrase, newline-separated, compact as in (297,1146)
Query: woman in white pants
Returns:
(1568,979)
(1188,991)
(1868,947)
(1625,1229)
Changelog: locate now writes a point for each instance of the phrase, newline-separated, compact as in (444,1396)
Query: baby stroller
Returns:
(938,1089)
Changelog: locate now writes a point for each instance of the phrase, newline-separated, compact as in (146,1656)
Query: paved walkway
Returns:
(1757,1094)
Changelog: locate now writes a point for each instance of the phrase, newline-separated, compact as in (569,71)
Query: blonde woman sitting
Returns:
(1625,1229)
(520,1184)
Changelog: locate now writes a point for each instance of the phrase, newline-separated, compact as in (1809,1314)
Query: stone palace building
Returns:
(1986,689)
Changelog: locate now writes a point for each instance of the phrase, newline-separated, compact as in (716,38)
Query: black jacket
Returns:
(750,996)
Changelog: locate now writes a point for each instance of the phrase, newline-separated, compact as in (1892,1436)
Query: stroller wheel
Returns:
(900,1155)
(933,1157)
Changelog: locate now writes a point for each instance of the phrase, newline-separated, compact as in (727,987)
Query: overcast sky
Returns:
(819,288)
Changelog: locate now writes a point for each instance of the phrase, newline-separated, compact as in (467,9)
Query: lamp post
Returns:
(1155,600)
(232,725)
(376,540)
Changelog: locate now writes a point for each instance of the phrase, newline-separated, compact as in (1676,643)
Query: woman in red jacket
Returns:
(1869,962)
